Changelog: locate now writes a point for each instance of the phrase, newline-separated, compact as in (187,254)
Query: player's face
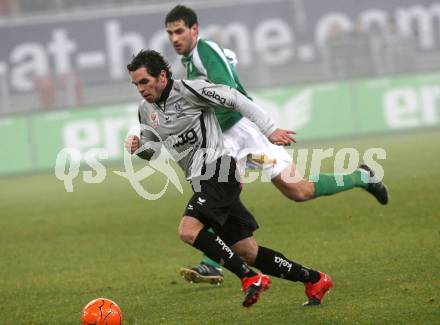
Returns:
(182,37)
(149,87)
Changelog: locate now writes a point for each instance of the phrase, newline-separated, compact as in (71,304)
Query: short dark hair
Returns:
(180,12)
(152,60)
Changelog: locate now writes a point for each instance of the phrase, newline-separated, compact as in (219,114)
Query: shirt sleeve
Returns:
(220,95)
(216,64)
(150,144)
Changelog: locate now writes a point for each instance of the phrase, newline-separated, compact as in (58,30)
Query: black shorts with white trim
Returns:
(217,205)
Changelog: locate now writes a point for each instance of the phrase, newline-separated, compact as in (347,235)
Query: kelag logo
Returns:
(212,94)
(189,136)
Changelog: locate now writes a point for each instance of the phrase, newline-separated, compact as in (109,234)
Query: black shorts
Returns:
(218,205)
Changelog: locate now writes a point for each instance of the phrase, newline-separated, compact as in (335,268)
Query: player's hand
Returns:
(282,137)
(132,143)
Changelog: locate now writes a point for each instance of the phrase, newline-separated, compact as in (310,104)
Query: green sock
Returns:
(328,184)
(207,260)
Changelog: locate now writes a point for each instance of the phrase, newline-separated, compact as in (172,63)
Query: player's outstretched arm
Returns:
(219,95)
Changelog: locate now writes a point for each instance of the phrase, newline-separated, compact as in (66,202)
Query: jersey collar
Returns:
(166,92)
(185,59)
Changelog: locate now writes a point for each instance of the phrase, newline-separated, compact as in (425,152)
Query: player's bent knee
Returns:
(299,196)
(247,250)
(248,257)
(298,190)
(299,193)
(189,229)
(187,236)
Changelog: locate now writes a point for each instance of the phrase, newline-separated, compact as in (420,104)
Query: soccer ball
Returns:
(101,311)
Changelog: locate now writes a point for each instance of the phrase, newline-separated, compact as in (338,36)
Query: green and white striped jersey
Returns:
(208,61)
(183,121)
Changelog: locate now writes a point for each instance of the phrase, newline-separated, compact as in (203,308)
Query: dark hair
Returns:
(180,12)
(151,60)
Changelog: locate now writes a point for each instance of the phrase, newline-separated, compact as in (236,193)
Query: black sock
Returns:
(214,247)
(273,263)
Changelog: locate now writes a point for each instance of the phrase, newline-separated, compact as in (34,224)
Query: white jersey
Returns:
(183,121)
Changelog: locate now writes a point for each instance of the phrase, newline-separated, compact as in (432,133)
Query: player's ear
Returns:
(163,75)
(195,29)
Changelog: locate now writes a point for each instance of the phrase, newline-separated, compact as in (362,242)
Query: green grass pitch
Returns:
(59,250)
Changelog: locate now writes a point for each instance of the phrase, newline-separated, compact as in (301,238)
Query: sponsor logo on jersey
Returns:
(154,120)
(189,136)
(212,94)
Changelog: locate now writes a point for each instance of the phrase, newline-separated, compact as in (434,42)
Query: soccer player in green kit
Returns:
(204,59)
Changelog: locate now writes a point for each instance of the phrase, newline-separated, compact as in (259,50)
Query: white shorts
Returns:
(245,142)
